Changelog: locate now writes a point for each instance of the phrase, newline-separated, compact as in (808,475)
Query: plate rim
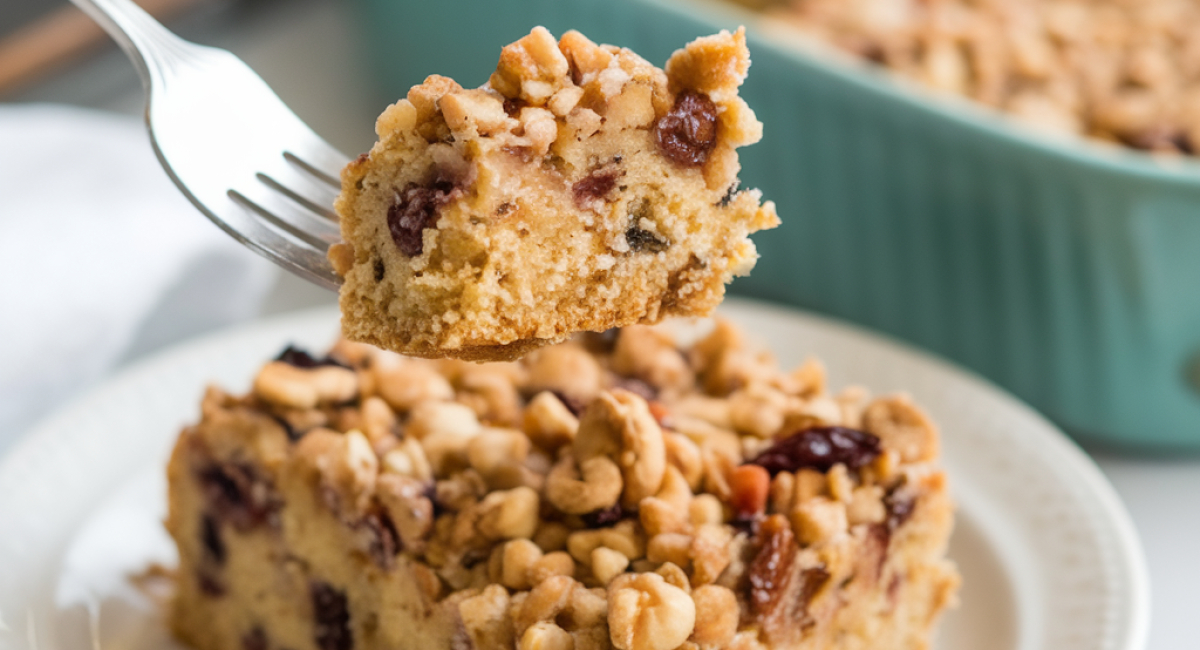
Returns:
(1125,542)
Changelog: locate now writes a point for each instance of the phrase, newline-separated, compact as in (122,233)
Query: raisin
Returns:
(780,590)
(430,493)
(292,432)
(873,52)
(594,186)
(210,585)
(300,358)
(255,639)
(574,405)
(331,617)
(1159,138)
(210,535)
(729,194)
(473,557)
(900,505)
(382,540)
(641,241)
(415,209)
(237,494)
(604,517)
(637,387)
(687,133)
(819,448)
(746,523)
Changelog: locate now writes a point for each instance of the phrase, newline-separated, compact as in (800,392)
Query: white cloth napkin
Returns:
(100,257)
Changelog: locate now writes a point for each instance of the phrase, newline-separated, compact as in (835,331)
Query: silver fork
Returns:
(231,145)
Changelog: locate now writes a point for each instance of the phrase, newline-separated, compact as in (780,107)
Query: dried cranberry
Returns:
(604,517)
(300,358)
(641,241)
(415,209)
(819,448)
(595,185)
(210,535)
(662,414)
(688,132)
(749,487)
(255,639)
(331,617)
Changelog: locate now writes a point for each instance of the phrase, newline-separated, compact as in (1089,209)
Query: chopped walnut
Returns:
(594,485)
(618,424)
(304,388)
(548,422)
(509,514)
(818,520)
(518,558)
(608,564)
(716,616)
(903,427)
(646,613)
(545,635)
(637,526)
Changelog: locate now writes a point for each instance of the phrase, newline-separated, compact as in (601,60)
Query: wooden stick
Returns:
(59,38)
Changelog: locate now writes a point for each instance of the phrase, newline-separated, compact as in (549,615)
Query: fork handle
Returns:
(147,43)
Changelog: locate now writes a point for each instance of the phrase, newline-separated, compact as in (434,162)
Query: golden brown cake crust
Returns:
(580,189)
(619,491)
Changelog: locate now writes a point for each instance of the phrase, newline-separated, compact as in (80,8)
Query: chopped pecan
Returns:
(781,587)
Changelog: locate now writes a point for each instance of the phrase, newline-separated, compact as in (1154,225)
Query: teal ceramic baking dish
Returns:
(1067,272)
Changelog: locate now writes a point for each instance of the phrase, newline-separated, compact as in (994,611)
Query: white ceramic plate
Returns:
(1049,557)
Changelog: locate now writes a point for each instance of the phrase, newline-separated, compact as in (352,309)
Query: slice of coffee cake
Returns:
(614,491)
(580,189)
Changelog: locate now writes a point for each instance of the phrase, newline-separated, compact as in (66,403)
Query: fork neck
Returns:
(147,43)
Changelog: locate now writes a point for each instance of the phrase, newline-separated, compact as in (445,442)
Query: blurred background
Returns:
(1066,272)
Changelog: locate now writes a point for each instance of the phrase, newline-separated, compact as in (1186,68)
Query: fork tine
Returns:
(294,218)
(333,180)
(250,164)
(276,243)
(296,183)
(317,154)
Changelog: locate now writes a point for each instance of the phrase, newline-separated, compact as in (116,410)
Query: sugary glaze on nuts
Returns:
(614,491)
(1120,70)
(580,189)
